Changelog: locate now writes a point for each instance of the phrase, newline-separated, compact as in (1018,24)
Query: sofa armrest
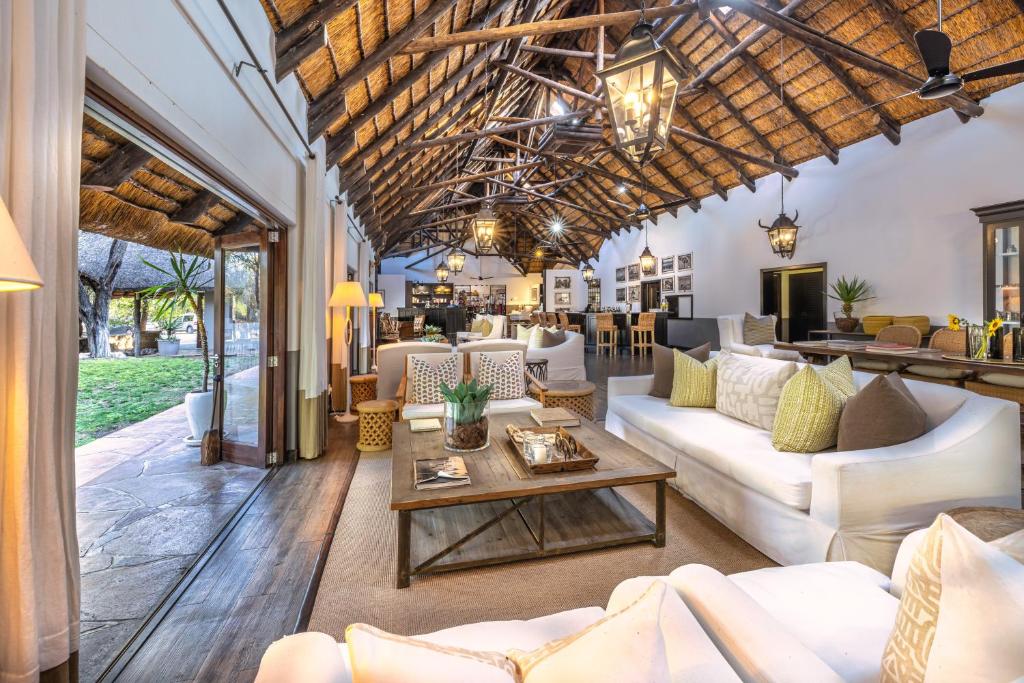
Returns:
(754,643)
(906,552)
(636,385)
(873,498)
(304,658)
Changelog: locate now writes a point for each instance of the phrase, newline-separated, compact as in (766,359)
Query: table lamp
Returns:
(17,272)
(349,295)
(376,301)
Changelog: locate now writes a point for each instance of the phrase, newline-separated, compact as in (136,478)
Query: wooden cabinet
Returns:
(1002,225)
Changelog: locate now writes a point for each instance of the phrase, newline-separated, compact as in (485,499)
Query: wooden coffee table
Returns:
(531,515)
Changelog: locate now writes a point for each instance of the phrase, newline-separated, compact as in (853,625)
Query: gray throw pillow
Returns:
(883,413)
(549,338)
(758,330)
(664,366)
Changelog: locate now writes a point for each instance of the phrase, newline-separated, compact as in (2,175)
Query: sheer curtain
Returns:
(42,76)
(313,314)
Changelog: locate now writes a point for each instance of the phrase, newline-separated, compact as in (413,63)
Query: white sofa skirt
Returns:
(783,533)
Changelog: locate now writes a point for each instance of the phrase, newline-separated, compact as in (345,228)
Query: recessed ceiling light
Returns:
(622,189)
(556,225)
(725,9)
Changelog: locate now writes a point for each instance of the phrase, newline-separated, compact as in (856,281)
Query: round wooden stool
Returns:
(375,421)
(574,395)
(364,388)
(988,523)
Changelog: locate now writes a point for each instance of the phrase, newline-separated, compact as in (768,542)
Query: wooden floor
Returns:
(600,368)
(251,590)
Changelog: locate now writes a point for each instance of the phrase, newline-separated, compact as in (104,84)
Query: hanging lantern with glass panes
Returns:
(456,261)
(640,93)
(588,273)
(484,227)
(441,272)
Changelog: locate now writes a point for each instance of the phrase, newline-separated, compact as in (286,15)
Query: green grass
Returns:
(113,394)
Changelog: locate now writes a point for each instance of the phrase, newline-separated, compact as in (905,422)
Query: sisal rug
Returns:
(358,583)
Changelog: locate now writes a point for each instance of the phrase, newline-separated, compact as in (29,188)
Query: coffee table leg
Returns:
(404,532)
(659,520)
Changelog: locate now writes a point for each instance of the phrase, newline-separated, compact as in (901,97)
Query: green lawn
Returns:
(113,394)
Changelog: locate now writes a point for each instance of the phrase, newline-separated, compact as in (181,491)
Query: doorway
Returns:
(796,296)
(650,296)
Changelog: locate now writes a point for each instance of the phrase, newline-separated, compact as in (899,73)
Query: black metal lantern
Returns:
(441,272)
(588,273)
(456,261)
(648,262)
(640,93)
(484,226)
(783,231)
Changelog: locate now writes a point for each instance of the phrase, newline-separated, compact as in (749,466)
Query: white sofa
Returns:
(827,621)
(856,505)
(565,361)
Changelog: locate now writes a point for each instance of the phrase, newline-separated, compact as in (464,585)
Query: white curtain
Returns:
(42,76)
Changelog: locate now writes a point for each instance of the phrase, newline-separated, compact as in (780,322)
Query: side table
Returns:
(538,368)
(574,395)
(376,419)
(364,388)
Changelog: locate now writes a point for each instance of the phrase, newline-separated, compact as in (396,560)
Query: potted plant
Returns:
(849,292)
(168,343)
(433,333)
(187,277)
(465,416)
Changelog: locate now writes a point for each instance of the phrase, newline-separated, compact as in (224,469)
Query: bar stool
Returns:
(551,319)
(645,328)
(563,320)
(607,333)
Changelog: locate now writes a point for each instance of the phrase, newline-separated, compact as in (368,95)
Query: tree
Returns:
(186,280)
(94,301)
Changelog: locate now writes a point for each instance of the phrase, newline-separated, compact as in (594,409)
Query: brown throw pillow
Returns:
(549,338)
(884,413)
(664,366)
(758,330)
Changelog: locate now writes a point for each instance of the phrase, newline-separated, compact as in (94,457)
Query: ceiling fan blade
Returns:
(1006,69)
(669,205)
(935,47)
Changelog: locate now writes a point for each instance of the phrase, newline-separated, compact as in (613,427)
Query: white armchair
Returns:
(565,361)
(730,336)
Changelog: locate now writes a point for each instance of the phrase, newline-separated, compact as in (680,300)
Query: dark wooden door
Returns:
(771,299)
(806,304)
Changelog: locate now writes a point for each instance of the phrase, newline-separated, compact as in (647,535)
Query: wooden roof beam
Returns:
(595,169)
(467,178)
(885,124)
(287,41)
(744,179)
(785,170)
(497,130)
(116,168)
(195,208)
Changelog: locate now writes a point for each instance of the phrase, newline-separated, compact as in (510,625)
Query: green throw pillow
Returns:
(810,406)
(693,382)
(477,324)
(485,328)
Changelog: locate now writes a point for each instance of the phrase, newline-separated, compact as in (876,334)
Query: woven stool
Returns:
(375,421)
(577,396)
(364,388)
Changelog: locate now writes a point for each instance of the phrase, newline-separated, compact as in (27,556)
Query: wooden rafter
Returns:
(117,167)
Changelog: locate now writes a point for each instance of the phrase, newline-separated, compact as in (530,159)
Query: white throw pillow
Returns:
(505,375)
(748,388)
(427,373)
(525,332)
(961,616)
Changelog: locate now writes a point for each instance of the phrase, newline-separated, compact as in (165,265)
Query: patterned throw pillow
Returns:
(810,406)
(749,388)
(839,375)
(425,382)
(504,377)
(693,382)
(758,330)
(961,615)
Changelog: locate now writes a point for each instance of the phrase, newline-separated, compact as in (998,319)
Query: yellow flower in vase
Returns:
(954,322)
(993,327)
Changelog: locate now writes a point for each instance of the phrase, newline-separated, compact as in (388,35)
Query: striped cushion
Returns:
(810,406)
(693,382)
(758,330)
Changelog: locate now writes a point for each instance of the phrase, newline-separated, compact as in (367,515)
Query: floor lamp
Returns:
(376,301)
(347,295)
(17,272)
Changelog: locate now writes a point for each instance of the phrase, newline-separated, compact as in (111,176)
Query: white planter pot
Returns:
(168,347)
(199,411)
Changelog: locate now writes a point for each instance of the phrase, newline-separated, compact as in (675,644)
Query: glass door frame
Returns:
(993,218)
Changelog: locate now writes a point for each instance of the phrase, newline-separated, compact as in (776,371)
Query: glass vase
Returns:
(466,426)
(977,342)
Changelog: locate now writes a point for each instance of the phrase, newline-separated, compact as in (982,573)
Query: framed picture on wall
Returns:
(634,294)
(620,295)
(535,294)
(685,306)
(684,284)
(684,261)
(563,283)
(620,275)
(668,284)
(634,271)
(563,298)
(668,265)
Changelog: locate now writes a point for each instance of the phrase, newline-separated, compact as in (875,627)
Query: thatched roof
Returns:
(134,275)
(129,194)
(374,101)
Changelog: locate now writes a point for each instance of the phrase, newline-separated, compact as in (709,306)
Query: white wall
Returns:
(898,216)
(578,289)
(500,270)
(393,287)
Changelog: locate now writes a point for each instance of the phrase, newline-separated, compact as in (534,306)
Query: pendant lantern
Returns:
(442,272)
(484,226)
(456,261)
(588,273)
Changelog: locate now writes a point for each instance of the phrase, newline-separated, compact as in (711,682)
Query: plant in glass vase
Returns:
(848,293)
(465,416)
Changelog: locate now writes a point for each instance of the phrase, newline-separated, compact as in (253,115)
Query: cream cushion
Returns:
(415,411)
(530,634)
(308,657)
(748,388)
(426,371)
(1003,380)
(524,332)
(936,372)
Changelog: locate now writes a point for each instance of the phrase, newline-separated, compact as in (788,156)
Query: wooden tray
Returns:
(983,361)
(585,458)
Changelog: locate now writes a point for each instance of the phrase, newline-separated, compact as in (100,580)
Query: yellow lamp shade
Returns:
(376,300)
(17,272)
(347,294)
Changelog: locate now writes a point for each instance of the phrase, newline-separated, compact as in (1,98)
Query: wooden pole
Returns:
(468,178)
(497,130)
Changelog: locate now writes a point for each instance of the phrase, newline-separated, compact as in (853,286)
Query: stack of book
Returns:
(888,347)
(846,344)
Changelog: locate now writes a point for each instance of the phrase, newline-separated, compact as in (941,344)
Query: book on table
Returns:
(425,424)
(554,417)
(888,347)
(440,473)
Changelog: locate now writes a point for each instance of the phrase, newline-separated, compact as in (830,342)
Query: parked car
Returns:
(187,322)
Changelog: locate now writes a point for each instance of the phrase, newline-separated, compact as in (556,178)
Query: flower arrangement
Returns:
(978,336)
(433,333)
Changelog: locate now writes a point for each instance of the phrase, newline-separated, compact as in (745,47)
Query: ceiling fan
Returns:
(935,48)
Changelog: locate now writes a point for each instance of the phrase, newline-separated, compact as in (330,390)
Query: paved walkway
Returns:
(146,509)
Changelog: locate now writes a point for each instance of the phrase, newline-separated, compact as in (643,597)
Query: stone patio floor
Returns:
(146,509)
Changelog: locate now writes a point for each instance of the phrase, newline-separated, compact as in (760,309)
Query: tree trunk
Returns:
(138,323)
(94,310)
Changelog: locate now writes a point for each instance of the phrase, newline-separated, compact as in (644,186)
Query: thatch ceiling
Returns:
(377,104)
(129,194)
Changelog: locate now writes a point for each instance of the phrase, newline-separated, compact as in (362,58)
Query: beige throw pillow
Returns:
(749,388)
(758,330)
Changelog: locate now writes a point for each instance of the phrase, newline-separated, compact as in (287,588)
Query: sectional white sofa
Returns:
(857,505)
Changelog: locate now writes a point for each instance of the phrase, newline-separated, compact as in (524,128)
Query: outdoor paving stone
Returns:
(93,525)
(100,643)
(100,498)
(93,563)
(127,469)
(171,531)
(159,489)
(130,592)
(136,560)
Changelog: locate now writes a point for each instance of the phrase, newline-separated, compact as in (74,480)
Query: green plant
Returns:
(850,292)
(169,325)
(431,330)
(467,400)
(187,278)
